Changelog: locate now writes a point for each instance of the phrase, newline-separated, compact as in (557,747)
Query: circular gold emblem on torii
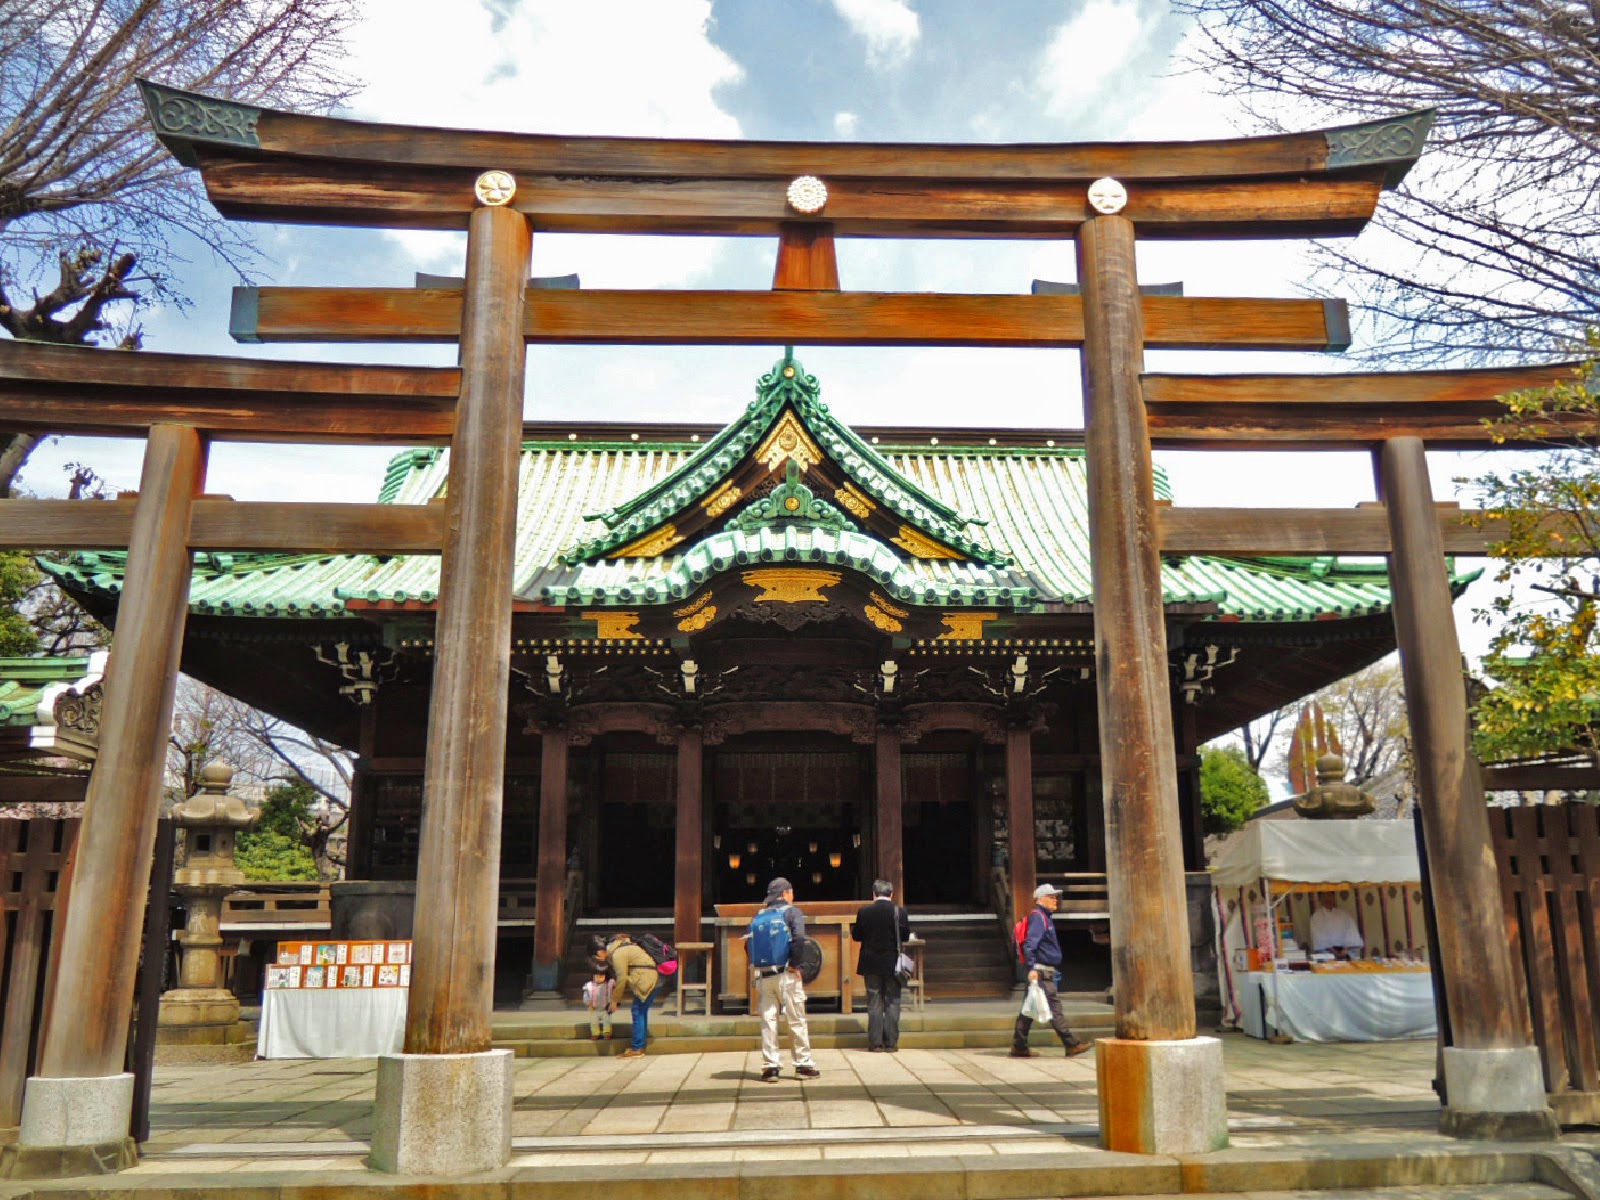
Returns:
(495,188)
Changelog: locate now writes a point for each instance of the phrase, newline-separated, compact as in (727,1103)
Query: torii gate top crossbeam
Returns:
(259,164)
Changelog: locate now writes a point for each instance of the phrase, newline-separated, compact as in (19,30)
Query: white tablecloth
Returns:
(1359,1006)
(341,1023)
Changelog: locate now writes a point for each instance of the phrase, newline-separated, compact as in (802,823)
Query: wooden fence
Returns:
(1549,860)
(34,858)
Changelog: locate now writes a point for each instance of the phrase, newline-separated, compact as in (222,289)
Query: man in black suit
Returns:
(881,927)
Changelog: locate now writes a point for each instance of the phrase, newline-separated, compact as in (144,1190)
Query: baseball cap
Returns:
(1045,889)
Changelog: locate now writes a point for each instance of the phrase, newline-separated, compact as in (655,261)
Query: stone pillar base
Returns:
(72,1127)
(189,1007)
(1166,1097)
(443,1114)
(1496,1095)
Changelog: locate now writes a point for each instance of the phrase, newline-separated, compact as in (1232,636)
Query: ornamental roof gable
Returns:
(787,441)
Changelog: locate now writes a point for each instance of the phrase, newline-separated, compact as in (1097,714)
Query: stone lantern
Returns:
(1333,798)
(200,1014)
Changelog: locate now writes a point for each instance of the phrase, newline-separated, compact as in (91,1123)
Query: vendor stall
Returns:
(1275,980)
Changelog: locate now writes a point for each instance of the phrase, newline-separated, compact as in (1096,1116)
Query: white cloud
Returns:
(1085,53)
(636,68)
(845,124)
(890,28)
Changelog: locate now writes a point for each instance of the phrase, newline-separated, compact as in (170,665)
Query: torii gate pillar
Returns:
(1161,1088)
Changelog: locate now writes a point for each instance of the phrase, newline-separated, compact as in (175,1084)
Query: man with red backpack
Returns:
(1041,954)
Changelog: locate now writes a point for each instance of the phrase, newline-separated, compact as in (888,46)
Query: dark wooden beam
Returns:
(1529,777)
(70,389)
(1274,532)
(180,120)
(806,257)
(42,789)
(230,525)
(736,318)
(422,198)
(1340,411)
(1270,532)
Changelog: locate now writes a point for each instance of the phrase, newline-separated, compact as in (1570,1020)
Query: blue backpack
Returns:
(769,938)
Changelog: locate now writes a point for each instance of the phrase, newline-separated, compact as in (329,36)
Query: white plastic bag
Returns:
(1034,1006)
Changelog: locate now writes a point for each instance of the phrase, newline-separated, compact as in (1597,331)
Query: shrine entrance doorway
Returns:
(796,809)
(636,857)
(946,833)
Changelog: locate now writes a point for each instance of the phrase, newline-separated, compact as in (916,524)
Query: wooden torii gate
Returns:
(1161,1088)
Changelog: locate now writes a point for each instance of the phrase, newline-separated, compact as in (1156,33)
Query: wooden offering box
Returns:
(827,922)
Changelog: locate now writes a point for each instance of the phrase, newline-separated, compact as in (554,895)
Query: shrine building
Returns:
(869,652)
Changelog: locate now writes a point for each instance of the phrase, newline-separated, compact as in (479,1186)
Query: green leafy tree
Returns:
(18,578)
(275,849)
(1229,790)
(1543,663)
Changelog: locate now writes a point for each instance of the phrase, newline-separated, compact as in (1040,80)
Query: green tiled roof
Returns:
(1027,540)
(786,386)
(26,682)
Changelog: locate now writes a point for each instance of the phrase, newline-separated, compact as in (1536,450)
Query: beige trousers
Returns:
(786,992)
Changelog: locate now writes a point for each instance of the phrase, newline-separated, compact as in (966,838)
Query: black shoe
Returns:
(1023,1053)
(1076,1048)
(891,1049)
(769,1074)
(808,1072)
(877,1049)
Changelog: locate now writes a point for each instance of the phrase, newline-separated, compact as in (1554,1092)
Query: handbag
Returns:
(905,968)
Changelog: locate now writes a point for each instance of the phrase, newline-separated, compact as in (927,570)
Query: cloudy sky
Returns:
(869,70)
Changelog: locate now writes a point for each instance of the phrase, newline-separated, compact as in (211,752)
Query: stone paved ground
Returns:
(712,1107)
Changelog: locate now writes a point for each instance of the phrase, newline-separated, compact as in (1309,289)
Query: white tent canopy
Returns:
(1304,851)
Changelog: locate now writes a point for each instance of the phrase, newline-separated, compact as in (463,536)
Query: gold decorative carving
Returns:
(721,500)
(495,188)
(695,622)
(614,626)
(921,545)
(651,545)
(853,499)
(787,440)
(887,607)
(693,606)
(964,626)
(791,585)
(882,619)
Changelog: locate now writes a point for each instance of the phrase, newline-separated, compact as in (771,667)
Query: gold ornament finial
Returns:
(807,194)
(1107,196)
(495,188)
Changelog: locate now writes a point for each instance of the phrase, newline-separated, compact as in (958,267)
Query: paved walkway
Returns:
(713,1108)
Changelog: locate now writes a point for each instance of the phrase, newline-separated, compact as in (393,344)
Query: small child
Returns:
(597,992)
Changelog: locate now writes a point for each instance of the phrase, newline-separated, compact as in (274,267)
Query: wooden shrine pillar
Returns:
(1024,857)
(80,1098)
(889,829)
(549,914)
(458,869)
(688,896)
(1473,945)
(1155,1055)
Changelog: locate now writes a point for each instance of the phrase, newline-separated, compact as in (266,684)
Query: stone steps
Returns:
(567,1035)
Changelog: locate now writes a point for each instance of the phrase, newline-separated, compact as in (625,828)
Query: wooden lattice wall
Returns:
(1549,860)
(34,857)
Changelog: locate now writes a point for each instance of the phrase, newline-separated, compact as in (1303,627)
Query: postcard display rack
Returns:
(335,999)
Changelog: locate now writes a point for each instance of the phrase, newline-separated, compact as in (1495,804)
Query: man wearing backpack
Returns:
(1041,953)
(774,933)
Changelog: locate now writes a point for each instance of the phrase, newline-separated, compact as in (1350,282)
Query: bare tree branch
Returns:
(1491,247)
